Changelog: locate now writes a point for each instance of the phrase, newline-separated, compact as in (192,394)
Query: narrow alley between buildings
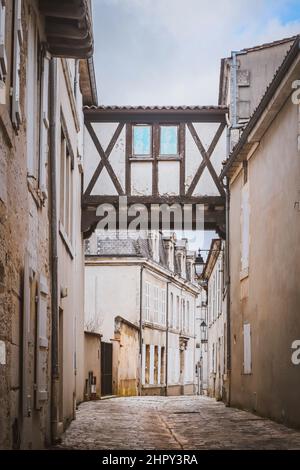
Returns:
(186,422)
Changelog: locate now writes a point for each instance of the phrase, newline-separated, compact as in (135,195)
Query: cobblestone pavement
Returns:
(172,423)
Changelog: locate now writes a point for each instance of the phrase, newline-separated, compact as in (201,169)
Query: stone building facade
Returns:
(213,274)
(263,171)
(41,246)
(141,296)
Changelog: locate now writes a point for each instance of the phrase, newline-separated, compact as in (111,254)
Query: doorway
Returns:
(106,369)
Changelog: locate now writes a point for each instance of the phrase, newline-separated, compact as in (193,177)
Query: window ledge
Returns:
(66,240)
(6,124)
(244,273)
(141,159)
(35,192)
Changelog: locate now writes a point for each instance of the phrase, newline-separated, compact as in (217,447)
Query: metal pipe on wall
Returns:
(167,337)
(54,255)
(141,329)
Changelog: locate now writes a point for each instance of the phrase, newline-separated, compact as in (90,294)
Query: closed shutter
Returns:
(143,364)
(245,215)
(247,349)
(26,395)
(42,344)
(18,40)
(151,375)
(3,61)
(44,126)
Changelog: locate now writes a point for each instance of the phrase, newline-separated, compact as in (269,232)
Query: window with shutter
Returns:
(41,344)
(26,406)
(18,41)
(147,301)
(163,307)
(247,349)
(245,220)
(44,126)
(3,61)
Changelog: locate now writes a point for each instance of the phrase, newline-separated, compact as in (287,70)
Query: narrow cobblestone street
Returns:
(172,423)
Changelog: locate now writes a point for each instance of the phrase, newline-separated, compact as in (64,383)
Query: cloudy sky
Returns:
(169,51)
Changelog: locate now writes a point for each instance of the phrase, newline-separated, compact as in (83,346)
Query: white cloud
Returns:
(169,51)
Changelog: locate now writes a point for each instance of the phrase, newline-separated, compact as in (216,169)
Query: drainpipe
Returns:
(228,339)
(54,256)
(167,337)
(141,329)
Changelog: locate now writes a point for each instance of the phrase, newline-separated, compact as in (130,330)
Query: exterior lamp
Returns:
(199,264)
(203,326)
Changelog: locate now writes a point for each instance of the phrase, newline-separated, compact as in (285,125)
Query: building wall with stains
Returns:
(265,297)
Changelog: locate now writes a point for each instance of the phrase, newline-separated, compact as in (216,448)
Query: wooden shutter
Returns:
(18,40)
(151,365)
(245,216)
(42,343)
(247,349)
(26,395)
(44,126)
(3,60)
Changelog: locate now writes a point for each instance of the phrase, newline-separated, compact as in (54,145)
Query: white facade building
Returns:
(216,302)
(146,283)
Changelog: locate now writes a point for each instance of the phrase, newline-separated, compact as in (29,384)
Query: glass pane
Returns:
(168,140)
(142,140)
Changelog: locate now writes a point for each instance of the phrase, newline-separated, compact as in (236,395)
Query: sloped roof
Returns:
(234,158)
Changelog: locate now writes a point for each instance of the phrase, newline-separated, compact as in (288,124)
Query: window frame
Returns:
(143,157)
(168,156)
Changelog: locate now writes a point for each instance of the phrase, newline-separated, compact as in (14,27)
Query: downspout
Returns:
(54,256)
(167,338)
(228,339)
(141,329)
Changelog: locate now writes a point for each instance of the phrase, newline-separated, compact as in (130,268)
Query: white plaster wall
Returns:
(102,304)
(141,178)
(168,178)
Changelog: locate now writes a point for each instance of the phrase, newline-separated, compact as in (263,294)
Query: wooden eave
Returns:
(68,27)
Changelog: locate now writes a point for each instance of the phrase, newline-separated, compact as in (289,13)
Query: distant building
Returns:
(213,274)
(263,171)
(201,352)
(141,297)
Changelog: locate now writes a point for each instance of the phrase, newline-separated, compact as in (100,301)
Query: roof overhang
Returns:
(156,113)
(68,27)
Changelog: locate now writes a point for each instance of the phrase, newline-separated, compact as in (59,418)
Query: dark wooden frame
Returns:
(214,205)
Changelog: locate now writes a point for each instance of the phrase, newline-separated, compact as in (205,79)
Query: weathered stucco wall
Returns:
(269,298)
(92,360)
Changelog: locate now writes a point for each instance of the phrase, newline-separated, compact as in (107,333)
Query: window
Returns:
(156,364)
(155,303)
(245,220)
(188,316)
(147,364)
(3,61)
(44,126)
(182,315)
(147,301)
(18,40)
(247,349)
(172,320)
(162,365)
(142,140)
(168,144)
(163,309)
(177,313)
(66,187)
